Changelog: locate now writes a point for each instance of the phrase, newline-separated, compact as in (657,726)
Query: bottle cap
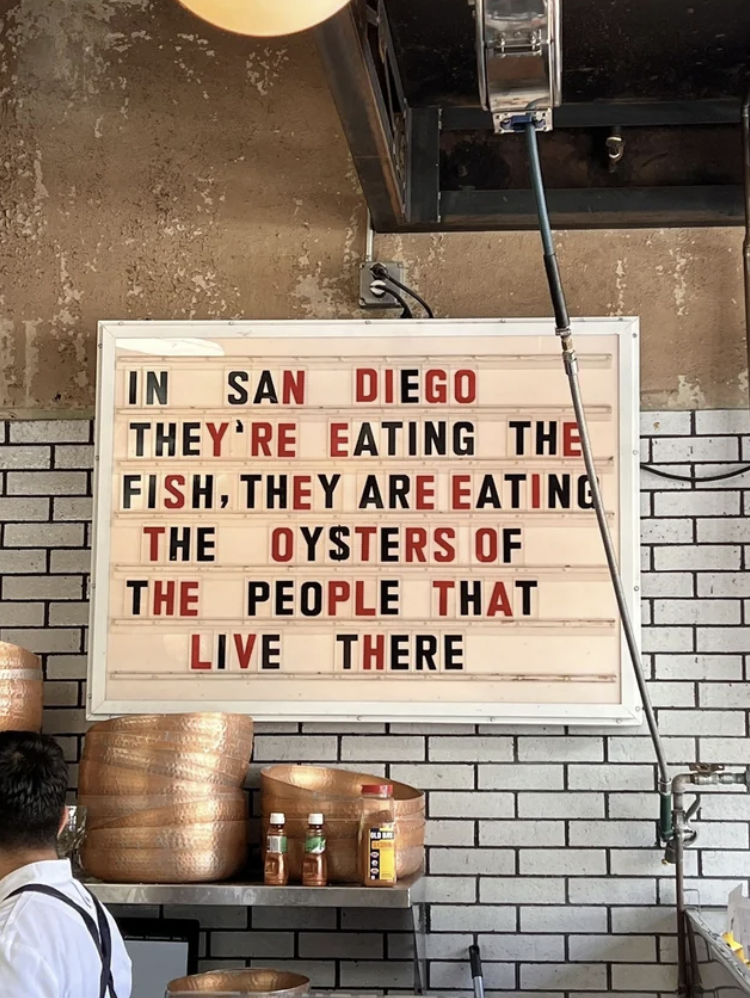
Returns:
(277,818)
(378,790)
(315,819)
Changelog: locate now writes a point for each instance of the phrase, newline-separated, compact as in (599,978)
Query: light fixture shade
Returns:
(264,18)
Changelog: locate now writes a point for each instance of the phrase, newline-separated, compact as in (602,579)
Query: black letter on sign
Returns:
(137,585)
(270,651)
(237,380)
(348,641)
(266,390)
(454,649)
(157,387)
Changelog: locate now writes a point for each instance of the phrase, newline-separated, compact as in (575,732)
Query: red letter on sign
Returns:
(188,599)
(571,440)
(195,653)
(338,440)
(366,376)
(244,652)
(153,534)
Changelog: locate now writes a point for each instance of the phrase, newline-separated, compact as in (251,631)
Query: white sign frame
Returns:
(627,712)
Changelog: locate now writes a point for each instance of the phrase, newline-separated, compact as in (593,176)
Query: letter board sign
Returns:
(362,520)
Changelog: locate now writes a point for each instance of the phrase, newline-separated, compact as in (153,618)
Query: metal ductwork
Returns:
(519,61)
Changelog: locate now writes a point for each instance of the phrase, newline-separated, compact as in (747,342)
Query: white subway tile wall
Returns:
(542,841)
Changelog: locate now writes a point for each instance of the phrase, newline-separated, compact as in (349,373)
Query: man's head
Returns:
(33,784)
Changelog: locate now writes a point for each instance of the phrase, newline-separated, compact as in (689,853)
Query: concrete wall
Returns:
(153,167)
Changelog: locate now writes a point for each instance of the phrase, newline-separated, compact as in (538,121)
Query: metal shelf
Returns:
(406,894)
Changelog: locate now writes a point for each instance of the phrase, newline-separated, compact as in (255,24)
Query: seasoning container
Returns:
(377,840)
(276,863)
(315,861)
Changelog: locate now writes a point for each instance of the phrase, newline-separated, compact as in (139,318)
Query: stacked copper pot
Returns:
(297,790)
(164,798)
(20,689)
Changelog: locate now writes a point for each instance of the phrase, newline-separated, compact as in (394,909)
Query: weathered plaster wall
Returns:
(152,167)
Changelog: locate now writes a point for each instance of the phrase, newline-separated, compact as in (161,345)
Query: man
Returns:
(56,940)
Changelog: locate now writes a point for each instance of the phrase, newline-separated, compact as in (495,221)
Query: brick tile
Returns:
(74,456)
(522,833)
(73,508)
(565,805)
(50,431)
(395,748)
(450,803)
(35,535)
(473,748)
(472,861)
(42,587)
(522,890)
(25,458)
(47,483)
(440,776)
(523,776)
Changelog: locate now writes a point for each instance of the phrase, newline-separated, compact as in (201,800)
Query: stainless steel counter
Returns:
(405,895)
(714,968)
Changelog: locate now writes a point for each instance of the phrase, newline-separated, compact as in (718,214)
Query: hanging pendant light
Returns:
(264,18)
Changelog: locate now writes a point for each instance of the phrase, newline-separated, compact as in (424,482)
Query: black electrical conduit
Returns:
(570,360)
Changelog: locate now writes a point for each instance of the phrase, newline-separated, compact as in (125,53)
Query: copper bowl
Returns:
(225,858)
(196,767)
(204,727)
(298,790)
(167,741)
(202,837)
(20,689)
(100,813)
(95,779)
(241,983)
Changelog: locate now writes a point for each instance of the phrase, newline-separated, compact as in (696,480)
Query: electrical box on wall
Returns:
(351,520)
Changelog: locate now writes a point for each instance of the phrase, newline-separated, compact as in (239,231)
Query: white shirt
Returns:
(46,950)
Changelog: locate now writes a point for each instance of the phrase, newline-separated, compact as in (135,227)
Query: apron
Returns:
(102,936)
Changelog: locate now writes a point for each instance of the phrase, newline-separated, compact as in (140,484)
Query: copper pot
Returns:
(241,983)
(227,807)
(226,856)
(20,689)
(298,790)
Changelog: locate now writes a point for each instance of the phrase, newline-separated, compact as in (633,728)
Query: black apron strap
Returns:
(102,937)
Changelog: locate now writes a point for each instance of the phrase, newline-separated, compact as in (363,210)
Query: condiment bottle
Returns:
(377,841)
(315,861)
(276,863)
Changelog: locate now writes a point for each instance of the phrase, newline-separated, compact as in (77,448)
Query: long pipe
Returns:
(562,321)
(746,244)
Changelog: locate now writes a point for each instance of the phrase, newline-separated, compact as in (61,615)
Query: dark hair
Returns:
(33,785)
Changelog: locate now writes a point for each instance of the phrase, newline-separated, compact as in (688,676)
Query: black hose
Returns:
(381,271)
(571,369)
